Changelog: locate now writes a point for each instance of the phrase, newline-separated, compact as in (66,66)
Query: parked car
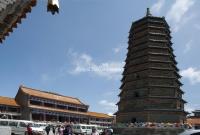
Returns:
(84,129)
(5,130)
(19,127)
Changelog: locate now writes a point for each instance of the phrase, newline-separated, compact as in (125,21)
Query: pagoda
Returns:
(151,87)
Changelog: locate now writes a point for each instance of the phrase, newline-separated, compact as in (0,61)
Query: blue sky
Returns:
(81,51)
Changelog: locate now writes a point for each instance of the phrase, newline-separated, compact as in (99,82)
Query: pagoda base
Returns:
(151,116)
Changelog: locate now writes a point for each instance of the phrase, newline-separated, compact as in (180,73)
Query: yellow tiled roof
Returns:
(51,96)
(8,101)
(99,115)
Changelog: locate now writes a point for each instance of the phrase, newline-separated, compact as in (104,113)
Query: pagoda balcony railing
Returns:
(162,41)
(164,86)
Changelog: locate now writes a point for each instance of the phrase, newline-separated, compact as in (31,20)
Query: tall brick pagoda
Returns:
(150,90)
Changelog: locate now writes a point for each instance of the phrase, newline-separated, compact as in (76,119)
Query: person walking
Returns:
(47,129)
(29,130)
(68,130)
(94,131)
(54,130)
(105,132)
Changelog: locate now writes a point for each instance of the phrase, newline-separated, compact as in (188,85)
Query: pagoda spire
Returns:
(148,12)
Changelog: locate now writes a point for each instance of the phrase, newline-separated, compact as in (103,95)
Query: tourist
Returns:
(53,129)
(29,130)
(67,130)
(47,129)
(105,132)
(60,130)
(94,131)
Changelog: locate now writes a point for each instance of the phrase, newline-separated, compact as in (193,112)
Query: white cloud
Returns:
(155,8)
(188,46)
(192,74)
(116,50)
(177,13)
(110,107)
(83,63)
(109,93)
(120,48)
(189,108)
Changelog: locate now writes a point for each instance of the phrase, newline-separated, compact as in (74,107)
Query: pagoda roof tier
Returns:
(139,35)
(170,110)
(180,90)
(151,19)
(163,77)
(167,97)
(149,26)
(150,97)
(156,68)
(164,86)
(153,76)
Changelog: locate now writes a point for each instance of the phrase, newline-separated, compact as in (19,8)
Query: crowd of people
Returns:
(66,130)
(156,125)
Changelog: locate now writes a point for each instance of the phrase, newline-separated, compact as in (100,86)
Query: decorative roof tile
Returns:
(50,95)
(11,13)
(8,101)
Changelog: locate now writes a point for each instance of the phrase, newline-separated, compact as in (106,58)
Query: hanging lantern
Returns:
(53,6)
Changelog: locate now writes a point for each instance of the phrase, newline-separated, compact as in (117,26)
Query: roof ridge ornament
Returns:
(148,12)
(53,6)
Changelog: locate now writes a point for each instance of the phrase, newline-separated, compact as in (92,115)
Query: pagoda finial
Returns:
(148,12)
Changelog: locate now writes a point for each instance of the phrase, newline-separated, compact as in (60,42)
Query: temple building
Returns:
(11,14)
(37,105)
(151,87)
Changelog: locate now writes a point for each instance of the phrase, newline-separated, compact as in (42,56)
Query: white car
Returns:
(190,132)
(37,129)
(19,127)
(5,130)
(83,129)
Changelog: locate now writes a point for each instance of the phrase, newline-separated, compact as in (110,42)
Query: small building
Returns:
(38,105)
(194,120)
